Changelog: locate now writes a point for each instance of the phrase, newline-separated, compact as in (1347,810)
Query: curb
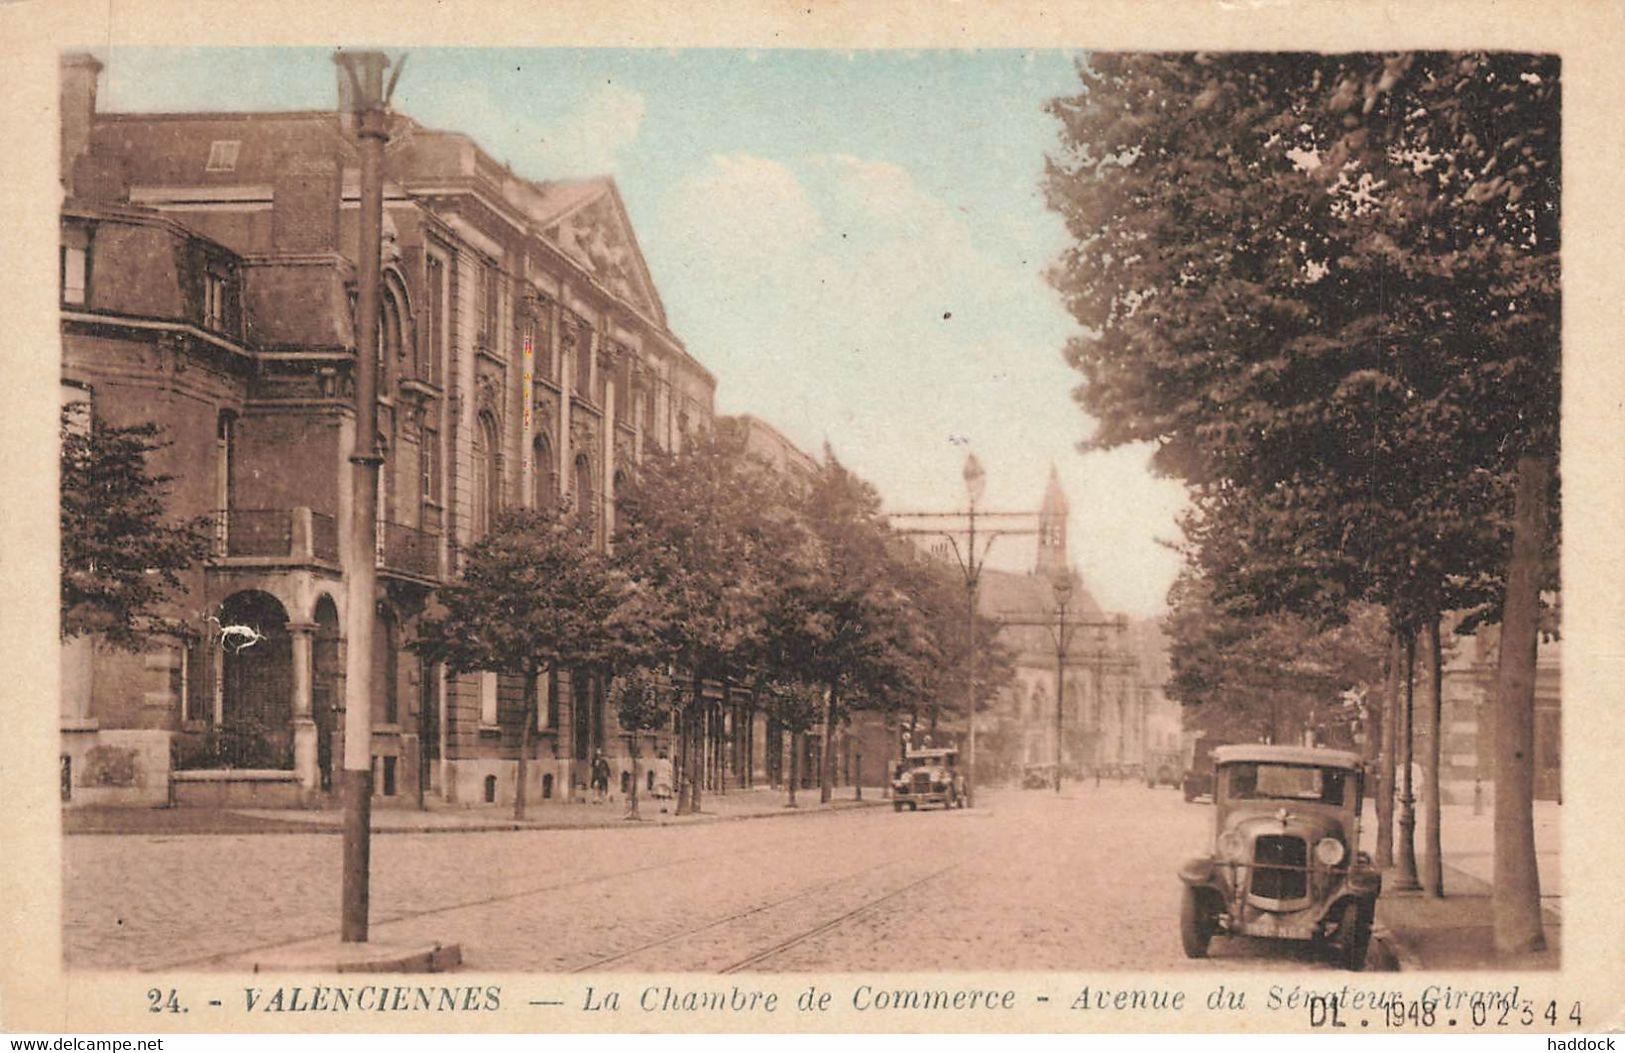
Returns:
(329,956)
(505,826)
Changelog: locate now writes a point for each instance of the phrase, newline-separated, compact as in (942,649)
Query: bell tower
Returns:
(1052,555)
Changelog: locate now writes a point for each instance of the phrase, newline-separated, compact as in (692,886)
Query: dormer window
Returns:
(216,292)
(223,155)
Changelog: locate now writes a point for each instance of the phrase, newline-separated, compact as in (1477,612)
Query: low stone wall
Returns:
(237,788)
(118,766)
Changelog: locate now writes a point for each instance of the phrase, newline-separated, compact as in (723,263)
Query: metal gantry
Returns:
(971,560)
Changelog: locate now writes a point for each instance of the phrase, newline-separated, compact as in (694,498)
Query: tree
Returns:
(535,593)
(699,530)
(122,558)
(642,704)
(797,707)
(1327,288)
(843,619)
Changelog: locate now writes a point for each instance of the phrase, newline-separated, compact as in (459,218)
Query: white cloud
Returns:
(836,297)
(588,140)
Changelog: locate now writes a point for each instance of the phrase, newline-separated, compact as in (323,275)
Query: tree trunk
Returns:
(1515,899)
(1406,877)
(795,766)
(524,745)
(826,759)
(632,798)
(1432,848)
(679,757)
(1386,766)
(696,744)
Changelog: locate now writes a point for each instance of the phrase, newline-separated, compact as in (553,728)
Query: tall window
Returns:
(431,342)
(488,700)
(75,262)
(225,461)
(583,352)
(428,477)
(542,472)
(215,294)
(487,486)
(583,487)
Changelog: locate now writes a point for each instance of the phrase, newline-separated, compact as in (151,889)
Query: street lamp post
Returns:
(971,561)
(362,72)
(1063,594)
(975,487)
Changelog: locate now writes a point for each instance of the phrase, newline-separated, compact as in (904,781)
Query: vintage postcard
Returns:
(756,517)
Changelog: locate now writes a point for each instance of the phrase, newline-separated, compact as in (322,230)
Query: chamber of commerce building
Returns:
(207,285)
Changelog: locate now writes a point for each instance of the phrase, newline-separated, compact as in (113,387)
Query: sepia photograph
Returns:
(930,515)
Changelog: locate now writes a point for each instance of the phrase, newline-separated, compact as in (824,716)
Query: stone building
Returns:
(208,282)
(1112,709)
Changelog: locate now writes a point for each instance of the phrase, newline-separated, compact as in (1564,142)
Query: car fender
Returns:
(1365,882)
(1198,873)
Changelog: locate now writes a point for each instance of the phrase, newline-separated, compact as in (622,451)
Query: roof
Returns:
(935,752)
(1257,751)
(1003,594)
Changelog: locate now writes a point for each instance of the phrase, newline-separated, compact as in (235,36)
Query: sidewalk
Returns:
(440,817)
(1455,932)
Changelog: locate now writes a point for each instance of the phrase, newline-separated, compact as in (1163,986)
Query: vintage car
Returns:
(1286,862)
(928,776)
(1037,776)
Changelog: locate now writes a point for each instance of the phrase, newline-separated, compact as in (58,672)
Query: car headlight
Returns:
(1230,845)
(1330,851)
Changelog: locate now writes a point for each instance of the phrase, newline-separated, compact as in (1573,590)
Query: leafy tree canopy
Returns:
(122,557)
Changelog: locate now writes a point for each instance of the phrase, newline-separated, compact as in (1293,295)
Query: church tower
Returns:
(1052,556)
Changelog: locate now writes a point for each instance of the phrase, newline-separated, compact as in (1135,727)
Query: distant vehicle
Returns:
(929,776)
(1198,780)
(1037,776)
(1162,769)
(1285,861)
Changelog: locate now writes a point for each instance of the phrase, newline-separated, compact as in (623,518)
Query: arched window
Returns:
(487,485)
(542,471)
(582,491)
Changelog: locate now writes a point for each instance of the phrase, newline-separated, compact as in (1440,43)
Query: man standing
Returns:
(600,776)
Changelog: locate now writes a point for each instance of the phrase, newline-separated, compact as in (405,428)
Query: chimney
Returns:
(79,71)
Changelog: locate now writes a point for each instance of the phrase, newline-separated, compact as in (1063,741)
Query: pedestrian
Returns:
(662,778)
(600,776)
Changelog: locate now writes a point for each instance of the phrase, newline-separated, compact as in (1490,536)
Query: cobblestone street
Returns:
(1083,881)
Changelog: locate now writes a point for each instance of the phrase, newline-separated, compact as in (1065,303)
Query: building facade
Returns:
(207,285)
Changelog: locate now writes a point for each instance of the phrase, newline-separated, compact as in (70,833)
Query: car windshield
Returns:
(1292,782)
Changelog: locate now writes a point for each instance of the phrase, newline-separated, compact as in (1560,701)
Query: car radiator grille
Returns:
(922,783)
(1279,868)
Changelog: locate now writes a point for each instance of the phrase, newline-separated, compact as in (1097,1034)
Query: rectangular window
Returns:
(552,688)
(488,700)
(493,308)
(583,352)
(429,484)
(389,776)
(430,342)
(214,300)
(75,273)
(482,314)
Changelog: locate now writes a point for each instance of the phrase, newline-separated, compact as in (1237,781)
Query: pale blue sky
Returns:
(853,242)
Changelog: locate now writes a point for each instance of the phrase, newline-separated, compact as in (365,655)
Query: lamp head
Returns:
(975,478)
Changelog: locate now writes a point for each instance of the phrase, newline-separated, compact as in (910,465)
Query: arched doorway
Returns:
(256,682)
(325,693)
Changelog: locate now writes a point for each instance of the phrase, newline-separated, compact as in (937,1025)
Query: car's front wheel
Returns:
(1353,937)
(1198,919)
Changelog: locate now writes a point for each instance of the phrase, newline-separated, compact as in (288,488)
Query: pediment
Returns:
(596,232)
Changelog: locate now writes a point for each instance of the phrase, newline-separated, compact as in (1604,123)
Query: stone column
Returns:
(304,725)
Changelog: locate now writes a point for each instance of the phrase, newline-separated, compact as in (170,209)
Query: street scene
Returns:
(1016,885)
(519,514)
